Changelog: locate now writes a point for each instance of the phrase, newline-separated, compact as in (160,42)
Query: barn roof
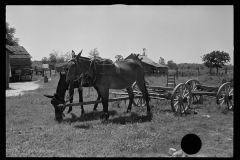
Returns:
(18,52)
(147,60)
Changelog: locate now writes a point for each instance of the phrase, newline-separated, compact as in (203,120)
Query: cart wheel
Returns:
(139,102)
(197,99)
(181,98)
(225,95)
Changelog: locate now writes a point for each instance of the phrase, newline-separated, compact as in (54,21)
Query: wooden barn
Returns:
(19,59)
(151,67)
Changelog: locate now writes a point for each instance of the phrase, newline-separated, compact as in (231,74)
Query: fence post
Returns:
(177,72)
(43,72)
(198,70)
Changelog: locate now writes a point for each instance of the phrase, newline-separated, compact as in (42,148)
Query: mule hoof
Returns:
(128,110)
(104,116)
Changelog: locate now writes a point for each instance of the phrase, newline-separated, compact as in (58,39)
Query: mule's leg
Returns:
(70,91)
(104,94)
(131,96)
(80,93)
(98,98)
(142,86)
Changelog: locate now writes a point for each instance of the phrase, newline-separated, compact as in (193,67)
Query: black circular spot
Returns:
(191,144)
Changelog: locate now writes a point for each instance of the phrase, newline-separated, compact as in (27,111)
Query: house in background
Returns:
(20,61)
(150,67)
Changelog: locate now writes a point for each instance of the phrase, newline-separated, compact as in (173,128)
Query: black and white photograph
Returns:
(119,80)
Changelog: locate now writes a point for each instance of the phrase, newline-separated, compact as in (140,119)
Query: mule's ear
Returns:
(48,96)
(79,54)
(73,54)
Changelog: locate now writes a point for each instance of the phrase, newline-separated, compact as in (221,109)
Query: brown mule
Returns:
(108,75)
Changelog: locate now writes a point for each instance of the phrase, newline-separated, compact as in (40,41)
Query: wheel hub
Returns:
(180,100)
(185,100)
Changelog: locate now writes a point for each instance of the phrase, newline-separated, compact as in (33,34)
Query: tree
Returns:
(61,59)
(119,57)
(44,60)
(161,61)
(215,59)
(10,39)
(171,64)
(94,53)
(53,56)
(68,56)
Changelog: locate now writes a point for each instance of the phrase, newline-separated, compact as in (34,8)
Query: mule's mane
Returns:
(99,60)
(86,58)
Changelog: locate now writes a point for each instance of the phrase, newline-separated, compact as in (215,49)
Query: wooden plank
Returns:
(157,98)
(119,93)
(100,101)
(162,88)
(194,92)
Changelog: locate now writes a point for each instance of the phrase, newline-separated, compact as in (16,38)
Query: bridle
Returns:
(93,62)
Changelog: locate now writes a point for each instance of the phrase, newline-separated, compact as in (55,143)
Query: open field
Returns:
(32,131)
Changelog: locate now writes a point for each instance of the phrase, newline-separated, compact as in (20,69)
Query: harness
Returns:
(96,74)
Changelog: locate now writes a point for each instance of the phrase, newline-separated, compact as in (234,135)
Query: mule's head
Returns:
(74,68)
(58,97)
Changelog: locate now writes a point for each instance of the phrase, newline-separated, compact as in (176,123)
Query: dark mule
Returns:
(108,75)
(58,97)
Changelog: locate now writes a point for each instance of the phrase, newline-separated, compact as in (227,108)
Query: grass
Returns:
(31,130)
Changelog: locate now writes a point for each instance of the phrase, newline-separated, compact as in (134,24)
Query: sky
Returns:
(179,33)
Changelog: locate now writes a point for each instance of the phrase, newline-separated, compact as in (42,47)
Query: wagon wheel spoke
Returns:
(177,106)
(185,95)
(184,108)
(222,102)
(194,85)
(184,91)
(231,105)
(175,103)
(181,91)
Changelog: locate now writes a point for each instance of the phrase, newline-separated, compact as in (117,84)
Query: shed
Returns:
(19,58)
(149,66)
(20,62)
